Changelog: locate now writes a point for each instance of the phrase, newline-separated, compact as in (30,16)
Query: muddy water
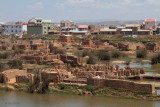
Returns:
(12,99)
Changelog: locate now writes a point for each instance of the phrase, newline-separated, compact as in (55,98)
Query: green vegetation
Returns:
(115,54)
(2,67)
(120,38)
(37,86)
(155,58)
(5,89)
(103,54)
(97,91)
(44,87)
(19,51)
(4,55)
(59,51)
(15,64)
(92,60)
(98,55)
(52,37)
(141,53)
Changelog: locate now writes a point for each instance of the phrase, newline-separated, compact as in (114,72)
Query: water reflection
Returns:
(151,69)
(32,100)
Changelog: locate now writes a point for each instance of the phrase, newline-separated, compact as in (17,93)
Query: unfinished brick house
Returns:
(73,60)
(37,46)
(41,57)
(99,45)
(54,48)
(153,47)
(54,75)
(10,75)
(66,39)
(87,42)
(120,46)
(21,44)
(38,58)
(106,71)
(123,84)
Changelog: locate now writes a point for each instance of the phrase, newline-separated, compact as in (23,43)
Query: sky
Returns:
(79,10)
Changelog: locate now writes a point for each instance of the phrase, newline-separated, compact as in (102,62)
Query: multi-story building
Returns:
(150,24)
(39,26)
(19,29)
(83,27)
(67,23)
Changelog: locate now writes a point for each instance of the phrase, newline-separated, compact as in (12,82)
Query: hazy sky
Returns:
(79,10)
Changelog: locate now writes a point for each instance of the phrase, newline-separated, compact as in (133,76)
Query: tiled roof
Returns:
(150,20)
(82,26)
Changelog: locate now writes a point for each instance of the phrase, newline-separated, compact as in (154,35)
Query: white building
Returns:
(15,29)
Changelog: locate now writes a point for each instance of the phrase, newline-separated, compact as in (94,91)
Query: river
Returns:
(18,99)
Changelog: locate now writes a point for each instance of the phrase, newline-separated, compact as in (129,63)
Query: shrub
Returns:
(2,67)
(13,47)
(4,55)
(141,53)
(3,47)
(86,53)
(103,55)
(115,54)
(92,60)
(19,51)
(155,58)
(38,86)
(59,51)
(15,64)
(62,86)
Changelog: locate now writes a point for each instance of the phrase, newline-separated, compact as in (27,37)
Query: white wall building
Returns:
(15,29)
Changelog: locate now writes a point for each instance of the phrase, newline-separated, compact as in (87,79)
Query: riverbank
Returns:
(85,90)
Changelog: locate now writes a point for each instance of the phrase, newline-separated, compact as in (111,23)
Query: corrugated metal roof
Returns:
(126,30)
(108,30)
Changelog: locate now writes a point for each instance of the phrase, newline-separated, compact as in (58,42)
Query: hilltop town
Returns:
(41,54)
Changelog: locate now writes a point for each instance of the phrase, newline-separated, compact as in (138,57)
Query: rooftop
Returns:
(150,20)
(126,30)
(108,30)
(82,26)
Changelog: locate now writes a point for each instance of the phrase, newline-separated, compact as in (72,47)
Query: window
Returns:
(44,27)
(16,26)
(19,26)
(12,30)
(15,30)
(19,30)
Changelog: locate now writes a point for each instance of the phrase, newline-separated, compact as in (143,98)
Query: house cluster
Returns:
(149,27)
(67,27)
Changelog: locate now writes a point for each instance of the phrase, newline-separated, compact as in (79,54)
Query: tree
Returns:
(141,53)
(92,60)
(15,64)
(2,67)
(39,86)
